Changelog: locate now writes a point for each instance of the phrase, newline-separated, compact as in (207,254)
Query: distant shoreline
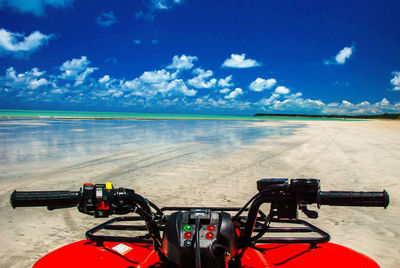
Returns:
(377,116)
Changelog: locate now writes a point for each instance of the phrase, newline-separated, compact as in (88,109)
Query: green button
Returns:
(187,227)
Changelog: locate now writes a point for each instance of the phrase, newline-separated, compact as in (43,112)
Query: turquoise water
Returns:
(125,115)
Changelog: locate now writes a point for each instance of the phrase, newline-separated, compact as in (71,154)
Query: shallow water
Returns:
(23,142)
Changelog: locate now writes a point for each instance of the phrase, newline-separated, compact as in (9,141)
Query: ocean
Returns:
(6,113)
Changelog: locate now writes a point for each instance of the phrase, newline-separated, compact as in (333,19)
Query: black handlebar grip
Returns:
(44,198)
(347,198)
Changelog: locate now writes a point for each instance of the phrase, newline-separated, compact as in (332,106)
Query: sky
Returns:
(233,57)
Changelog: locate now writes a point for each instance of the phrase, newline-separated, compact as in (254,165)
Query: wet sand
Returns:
(345,155)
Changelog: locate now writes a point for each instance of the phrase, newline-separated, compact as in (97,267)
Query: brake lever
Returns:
(309,213)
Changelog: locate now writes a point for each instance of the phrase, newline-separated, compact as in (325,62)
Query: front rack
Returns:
(305,228)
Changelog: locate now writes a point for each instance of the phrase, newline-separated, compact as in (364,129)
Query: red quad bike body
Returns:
(86,253)
(215,237)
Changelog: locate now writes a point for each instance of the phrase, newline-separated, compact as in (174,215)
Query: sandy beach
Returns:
(344,155)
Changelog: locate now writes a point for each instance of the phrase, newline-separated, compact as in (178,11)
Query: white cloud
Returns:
(165,4)
(76,69)
(106,19)
(207,102)
(269,101)
(282,90)
(260,84)
(71,68)
(36,7)
(239,61)
(30,83)
(299,103)
(179,86)
(19,44)
(342,56)
(348,108)
(82,76)
(154,77)
(224,90)
(104,79)
(155,6)
(35,83)
(132,84)
(233,94)
(225,82)
(201,80)
(395,81)
(182,63)
(161,87)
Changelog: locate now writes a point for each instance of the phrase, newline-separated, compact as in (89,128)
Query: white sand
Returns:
(359,155)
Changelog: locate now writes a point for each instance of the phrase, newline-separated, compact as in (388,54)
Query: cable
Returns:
(197,230)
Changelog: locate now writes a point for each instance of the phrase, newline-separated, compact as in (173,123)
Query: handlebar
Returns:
(285,197)
(45,198)
(348,198)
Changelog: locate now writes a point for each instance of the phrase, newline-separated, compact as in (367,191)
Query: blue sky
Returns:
(210,57)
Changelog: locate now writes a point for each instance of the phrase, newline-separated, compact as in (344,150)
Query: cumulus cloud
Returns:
(202,80)
(395,81)
(179,86)
(346,107)
(20,45)
(154,77)
(341,57)
(234,93)
(160,88)
(282,90)
(76,69)
(182,63)
(35,83)
(106,19)
(224,90)
(104,79)
(225,82)
(239,61)
(31,79)
(36,7)
(294,103)
(269,101)
(260,84)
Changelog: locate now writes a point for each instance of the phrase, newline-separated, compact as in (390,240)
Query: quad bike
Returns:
(204,236)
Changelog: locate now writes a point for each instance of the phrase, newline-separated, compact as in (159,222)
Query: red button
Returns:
(188,235)
(209,235)
(102,206)
(210,228)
